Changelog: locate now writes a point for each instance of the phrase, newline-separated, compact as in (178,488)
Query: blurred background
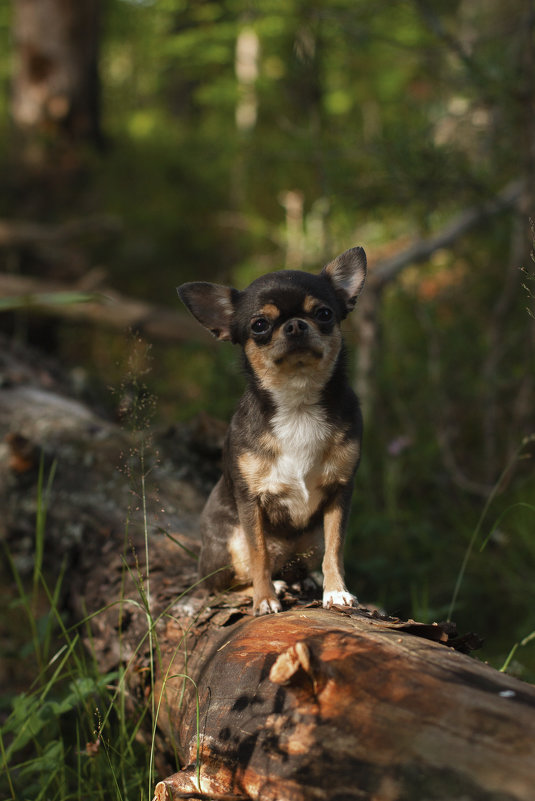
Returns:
(144,143)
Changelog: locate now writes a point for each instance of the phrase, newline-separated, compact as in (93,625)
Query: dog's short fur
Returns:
(293,444)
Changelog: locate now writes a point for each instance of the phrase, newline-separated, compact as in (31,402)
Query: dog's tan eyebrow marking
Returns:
(309,303)
(269,310)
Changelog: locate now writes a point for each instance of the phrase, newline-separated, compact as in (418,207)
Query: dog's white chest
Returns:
(302,437)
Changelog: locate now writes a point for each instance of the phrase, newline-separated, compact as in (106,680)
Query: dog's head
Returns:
(287,322)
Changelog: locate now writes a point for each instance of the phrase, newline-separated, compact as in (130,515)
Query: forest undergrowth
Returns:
(72,733)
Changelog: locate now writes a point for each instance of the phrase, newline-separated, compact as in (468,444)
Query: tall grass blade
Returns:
(475,534)
(514,649)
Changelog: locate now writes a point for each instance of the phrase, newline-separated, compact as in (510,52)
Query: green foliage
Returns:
(67,736)
(46,299)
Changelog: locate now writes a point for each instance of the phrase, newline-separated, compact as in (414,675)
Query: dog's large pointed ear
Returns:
(347,273)
(211,304)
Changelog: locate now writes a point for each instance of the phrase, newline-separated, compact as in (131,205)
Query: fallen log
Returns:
(101,306)
(313,704)
(339,704)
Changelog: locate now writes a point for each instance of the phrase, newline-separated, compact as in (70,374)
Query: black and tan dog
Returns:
(293,445)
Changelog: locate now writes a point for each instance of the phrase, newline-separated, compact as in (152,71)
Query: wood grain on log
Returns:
(332,704)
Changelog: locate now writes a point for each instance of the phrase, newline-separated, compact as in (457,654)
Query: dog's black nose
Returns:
(295,327)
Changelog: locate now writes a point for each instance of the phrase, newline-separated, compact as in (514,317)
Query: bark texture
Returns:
(332,704)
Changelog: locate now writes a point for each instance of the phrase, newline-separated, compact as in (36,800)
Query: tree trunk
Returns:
(55,92)
(308,704)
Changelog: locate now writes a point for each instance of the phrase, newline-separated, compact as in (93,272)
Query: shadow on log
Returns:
(312,704)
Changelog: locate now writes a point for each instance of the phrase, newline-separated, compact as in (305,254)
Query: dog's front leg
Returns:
(264,596)
(334,588)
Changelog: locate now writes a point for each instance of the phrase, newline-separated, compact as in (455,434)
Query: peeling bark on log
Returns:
(330,704)
(308,704)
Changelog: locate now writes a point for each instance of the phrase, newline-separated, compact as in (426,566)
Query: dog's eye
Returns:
(260,325)
(324,314)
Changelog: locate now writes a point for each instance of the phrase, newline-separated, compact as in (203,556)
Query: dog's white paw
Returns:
(267,606)
(338,598)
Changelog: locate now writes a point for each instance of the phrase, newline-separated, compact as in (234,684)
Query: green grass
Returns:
(68,735)
(430,557)
(477,530)
(72,734)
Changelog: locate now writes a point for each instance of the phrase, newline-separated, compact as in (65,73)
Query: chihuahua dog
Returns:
(293,445)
